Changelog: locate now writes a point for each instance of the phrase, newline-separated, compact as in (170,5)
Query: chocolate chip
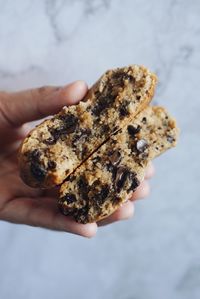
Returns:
(118,78)
(82,183)
(56,133)
(81,215)
(134,182)
(69,198)
(83,187)
(133,130)
(69,125)
(102,194)
(116,200)
(144,120)
(38,171)
(138,97)
(70,122)
(123,109)
(84,151)
(111,168)
(121,177)
(115,157)
(170,139)
(105,129)
(141,145)
(51,165)
(34,155)
(102,104)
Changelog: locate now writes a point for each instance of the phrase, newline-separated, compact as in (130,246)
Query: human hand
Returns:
(20,203)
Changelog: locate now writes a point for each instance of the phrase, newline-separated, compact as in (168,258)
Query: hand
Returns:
(20,203)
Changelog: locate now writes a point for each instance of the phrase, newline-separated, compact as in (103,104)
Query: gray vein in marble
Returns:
(92,6)
(181,53)
(190,279)
(88,8)
(8,74)
(52,9)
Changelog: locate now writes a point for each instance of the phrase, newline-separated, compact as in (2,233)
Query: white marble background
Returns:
(157,254)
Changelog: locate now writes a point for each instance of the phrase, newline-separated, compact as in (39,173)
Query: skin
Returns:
(22,204)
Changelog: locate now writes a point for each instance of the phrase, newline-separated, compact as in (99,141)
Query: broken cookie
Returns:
(105,181)
(56,147)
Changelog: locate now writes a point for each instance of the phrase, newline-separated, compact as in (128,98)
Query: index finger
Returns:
(17,108)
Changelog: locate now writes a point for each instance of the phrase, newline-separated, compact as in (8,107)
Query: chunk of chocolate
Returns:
(83,187)
(121,177)
(36,168)
(134,182)
(133,130)
(51,165)
(123,109)
(144,120)
(70,122)
(35,155)
(101,196)
(115,157)
(38,171)
(81,215)
(118,79)
(138,97)
(56,134)
(82,183)
(105,129)
(103,103)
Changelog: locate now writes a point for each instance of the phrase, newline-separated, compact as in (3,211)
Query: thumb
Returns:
(17,108)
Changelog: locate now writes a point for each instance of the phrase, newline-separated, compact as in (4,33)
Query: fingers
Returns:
(123,213)
(141,192)
(150,171)
(43,212)
(24,106)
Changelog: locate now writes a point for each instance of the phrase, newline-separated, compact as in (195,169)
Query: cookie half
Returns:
(105,181)
(56,147)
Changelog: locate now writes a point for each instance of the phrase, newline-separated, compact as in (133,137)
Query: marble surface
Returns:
(157,253)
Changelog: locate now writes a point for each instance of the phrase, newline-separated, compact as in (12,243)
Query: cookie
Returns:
(105,181)
(56,147)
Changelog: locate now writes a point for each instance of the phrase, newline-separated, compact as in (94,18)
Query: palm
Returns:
(22,204)
(18,200)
